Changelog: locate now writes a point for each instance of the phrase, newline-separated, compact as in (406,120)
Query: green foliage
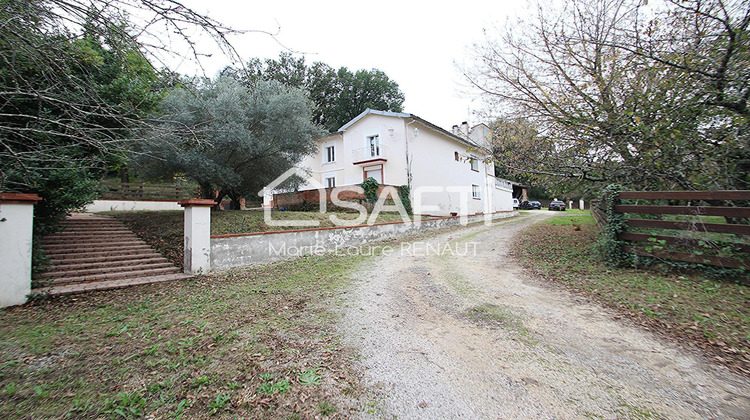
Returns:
(370,185)
(220,403)
(325,408)
(269,386)
(69,102)
(404,193)
(339,95)
(63,189)
(125,405)
(225,136)
(610,245)
(309,377)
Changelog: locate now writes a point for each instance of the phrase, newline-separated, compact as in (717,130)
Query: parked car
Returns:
(557,205)
(530,205)
(515,203)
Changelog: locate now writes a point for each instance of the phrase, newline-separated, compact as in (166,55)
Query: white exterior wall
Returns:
(433,164)
(16,220)
(502,194)
(197,239)
(124,205)
(343,169)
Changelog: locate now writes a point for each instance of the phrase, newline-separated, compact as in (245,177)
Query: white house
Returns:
(450,171)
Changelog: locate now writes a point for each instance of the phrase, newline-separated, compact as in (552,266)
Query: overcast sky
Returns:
(419,44)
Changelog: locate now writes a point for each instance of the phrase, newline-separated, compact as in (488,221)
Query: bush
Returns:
(370,185)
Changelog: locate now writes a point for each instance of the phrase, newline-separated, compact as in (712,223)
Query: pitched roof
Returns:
(424,122)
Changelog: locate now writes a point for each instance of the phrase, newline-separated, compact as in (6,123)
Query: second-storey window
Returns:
(374,143)
(330,154)
(474,164)
(475,191)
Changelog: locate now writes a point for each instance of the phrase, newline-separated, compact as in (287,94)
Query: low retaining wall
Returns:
(229,251)
(313,196)
(126,205)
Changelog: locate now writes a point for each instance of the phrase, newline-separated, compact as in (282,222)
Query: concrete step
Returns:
(111,261)
(96,257)
(93,224)
(97,253)
(68,289)
(88,238)
(122,275)
(107,230)
(66,272)
(102,244)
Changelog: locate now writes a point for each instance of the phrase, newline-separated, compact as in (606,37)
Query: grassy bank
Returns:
(693,309)
(254,343)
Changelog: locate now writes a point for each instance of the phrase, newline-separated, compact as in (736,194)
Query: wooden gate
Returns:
(703,227)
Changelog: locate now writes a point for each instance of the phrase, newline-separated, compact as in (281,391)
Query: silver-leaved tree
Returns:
(229,137)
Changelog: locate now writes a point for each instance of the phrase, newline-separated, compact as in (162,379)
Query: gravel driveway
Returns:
(444,335)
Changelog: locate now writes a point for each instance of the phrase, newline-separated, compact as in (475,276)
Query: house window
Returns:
(475,192)
(330,154)
(374,143)
(474,164)
(374,172)
(331,182)
(455,156)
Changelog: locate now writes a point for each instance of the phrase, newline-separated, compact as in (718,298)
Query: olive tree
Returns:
(229,137)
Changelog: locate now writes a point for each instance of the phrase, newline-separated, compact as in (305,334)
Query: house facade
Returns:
(449,171)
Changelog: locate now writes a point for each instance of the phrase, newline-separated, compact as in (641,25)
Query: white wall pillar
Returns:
(16,222)
(581,204)
(197,235)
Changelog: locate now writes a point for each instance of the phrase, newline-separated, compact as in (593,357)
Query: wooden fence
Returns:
(147,192)
(686,226)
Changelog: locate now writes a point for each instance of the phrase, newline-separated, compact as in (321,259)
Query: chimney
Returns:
(465,128)
(455,130)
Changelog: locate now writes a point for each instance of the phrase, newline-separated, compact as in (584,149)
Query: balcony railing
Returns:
(503,184)
(369,154)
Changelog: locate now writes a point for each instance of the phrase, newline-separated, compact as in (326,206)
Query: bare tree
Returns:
(78,81)
(612,101)
(54,112)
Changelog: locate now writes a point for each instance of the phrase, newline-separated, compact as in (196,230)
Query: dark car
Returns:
(530,205)
(557,205)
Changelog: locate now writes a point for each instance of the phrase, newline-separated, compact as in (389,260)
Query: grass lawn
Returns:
(251,343)
(689,308)
(163,230)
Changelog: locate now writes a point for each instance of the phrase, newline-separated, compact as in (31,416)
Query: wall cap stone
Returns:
(197,202)
(19,198)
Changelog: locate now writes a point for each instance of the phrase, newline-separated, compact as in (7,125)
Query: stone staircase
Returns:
(94,252)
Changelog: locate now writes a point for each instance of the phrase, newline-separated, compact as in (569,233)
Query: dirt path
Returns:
(444,336)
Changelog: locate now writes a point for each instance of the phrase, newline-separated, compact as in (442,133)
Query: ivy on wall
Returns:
(403,194)
(611,246)
(370,185)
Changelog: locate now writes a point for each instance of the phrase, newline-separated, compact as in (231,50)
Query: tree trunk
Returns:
(207,191)
(124,174)
(235,204)
(220,198)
